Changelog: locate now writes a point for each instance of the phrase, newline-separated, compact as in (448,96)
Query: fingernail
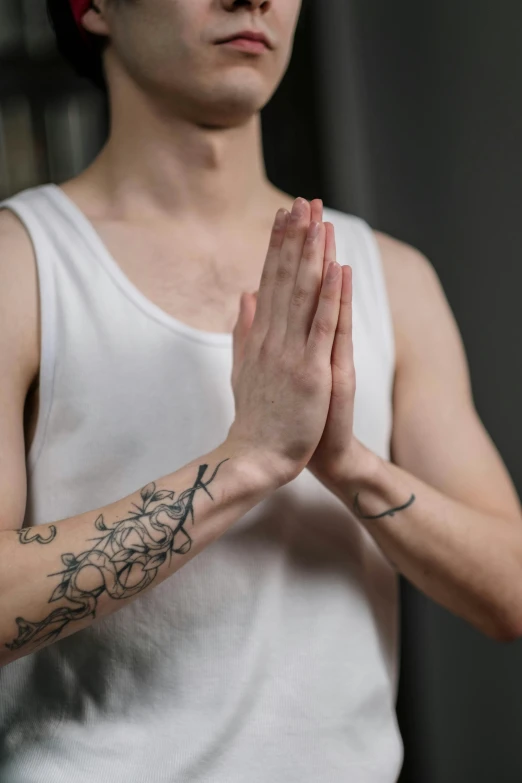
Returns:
(299,205)
(280,218)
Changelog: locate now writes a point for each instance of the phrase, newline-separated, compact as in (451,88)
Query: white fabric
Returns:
(272,656)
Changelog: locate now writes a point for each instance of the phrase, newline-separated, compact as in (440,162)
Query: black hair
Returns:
(85,56)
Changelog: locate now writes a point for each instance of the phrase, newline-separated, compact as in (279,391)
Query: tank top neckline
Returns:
(111,266)
(131,291)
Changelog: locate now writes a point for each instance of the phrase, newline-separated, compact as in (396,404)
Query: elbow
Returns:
(504,610)
(508,635)
(507,629)
(511,633)
(499,622)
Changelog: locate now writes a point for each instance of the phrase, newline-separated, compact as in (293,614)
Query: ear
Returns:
(94,20)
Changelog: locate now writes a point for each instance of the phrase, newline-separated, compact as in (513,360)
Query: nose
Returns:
(231,5)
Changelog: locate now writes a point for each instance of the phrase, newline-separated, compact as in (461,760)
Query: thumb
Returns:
(237,332)
(250,303)
(247,309)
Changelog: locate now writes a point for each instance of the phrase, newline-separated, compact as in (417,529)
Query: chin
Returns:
(227,115)
(234,104)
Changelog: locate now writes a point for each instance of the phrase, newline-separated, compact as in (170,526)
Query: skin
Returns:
(183,168)
(193,107)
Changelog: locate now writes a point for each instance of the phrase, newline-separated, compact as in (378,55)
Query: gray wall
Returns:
(421,113)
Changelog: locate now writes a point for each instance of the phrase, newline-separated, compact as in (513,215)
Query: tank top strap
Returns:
(376,269)
(31,209)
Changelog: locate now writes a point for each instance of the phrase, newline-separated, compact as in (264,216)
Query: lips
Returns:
(247,45)
(246,37)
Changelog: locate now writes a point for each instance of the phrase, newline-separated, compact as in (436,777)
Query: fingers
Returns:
(317,214)
(342,352)
(330,252)
(317,210)
(322,333)
(305,295)
(266,285)
(286,273)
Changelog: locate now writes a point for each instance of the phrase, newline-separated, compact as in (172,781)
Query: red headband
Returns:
(79,8)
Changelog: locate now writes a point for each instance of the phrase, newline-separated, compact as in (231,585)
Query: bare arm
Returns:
(59,577)
(446,513)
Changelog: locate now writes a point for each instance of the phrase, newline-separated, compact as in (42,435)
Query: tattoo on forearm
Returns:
(124,560)
(390,512)
(27,535)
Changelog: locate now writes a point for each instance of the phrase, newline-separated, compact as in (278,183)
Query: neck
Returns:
(156,165)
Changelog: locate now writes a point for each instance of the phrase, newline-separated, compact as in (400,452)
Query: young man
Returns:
(272,655)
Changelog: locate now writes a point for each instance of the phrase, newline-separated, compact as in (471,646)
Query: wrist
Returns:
(261,469)
(356,468)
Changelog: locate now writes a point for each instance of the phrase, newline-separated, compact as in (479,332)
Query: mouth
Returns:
(247,41)
(246,45)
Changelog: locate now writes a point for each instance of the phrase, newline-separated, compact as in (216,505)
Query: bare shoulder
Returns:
(19,362)
(19,299)
(403,263)
(411,282)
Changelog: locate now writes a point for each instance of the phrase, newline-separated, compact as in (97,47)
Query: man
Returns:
(271,656)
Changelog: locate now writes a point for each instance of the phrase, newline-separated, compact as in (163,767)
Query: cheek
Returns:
(171,34)
(149,48)
(285,20)
(288,15)
(153,29)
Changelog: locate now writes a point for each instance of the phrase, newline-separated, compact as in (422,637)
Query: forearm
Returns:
(466,560)
(57,578)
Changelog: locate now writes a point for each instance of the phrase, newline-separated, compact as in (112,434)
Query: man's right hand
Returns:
(282,377)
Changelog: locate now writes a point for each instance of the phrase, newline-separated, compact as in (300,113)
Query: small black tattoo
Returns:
(27,535)
(390,512)
(127,556)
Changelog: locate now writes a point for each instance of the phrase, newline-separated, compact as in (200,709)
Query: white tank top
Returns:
(272,656)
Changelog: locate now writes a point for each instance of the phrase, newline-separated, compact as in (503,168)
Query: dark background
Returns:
(408,114)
